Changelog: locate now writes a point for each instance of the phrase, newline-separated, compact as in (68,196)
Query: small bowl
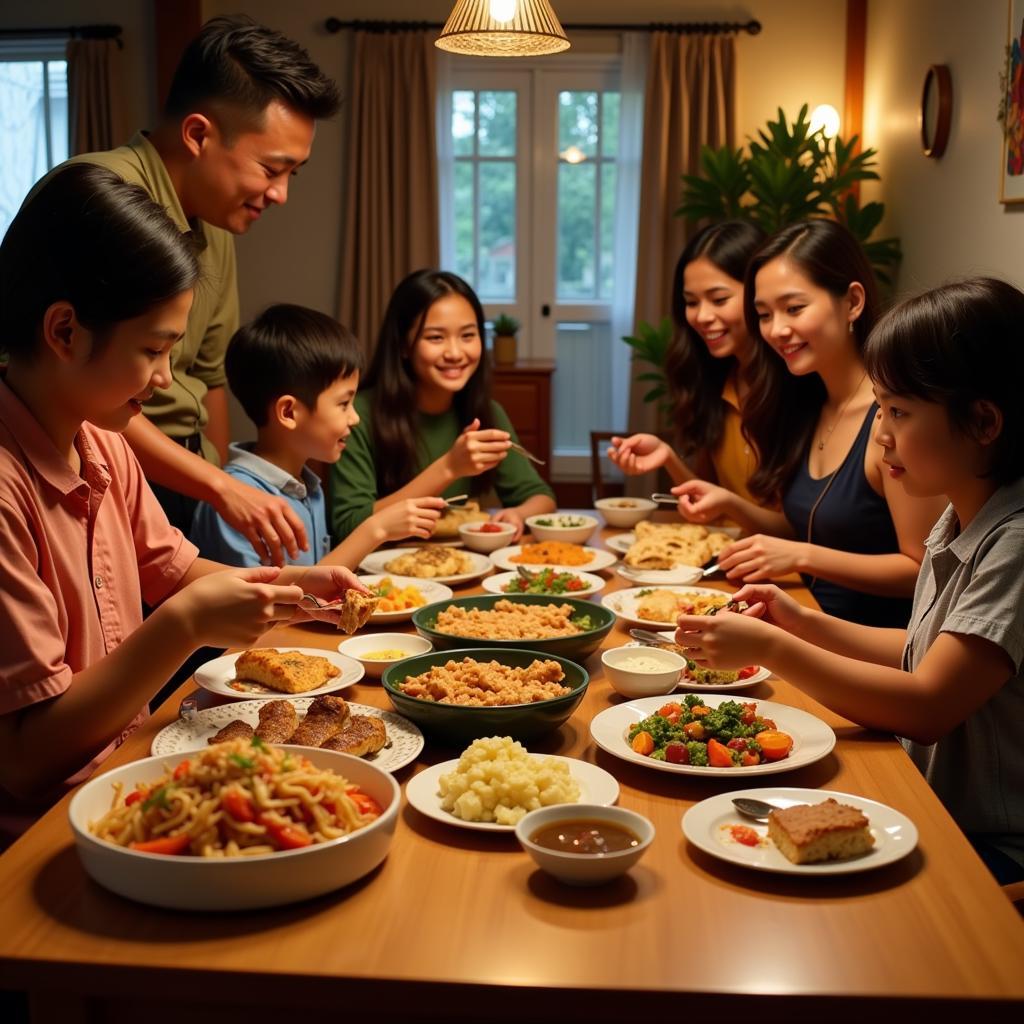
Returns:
(642,684)
(583,868)
(616,513)
(577,534)
(359,646)
(489,540)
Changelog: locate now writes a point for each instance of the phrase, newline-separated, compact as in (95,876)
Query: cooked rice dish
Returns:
(487,683)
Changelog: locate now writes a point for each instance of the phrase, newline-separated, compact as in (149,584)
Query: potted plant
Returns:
(650,345)
(505,328)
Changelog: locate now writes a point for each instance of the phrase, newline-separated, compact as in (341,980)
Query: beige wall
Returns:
(947,211)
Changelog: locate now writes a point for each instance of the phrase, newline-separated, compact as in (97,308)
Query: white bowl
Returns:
(488,541)
(578,534)
(234,883)
(582,868)
(358,647)
(642,684)
(624,517)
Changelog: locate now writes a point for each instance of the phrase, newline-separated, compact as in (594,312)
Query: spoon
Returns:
(757,809)
(645,636)
(525,573)
(665,499)
(458,499)
(709,570)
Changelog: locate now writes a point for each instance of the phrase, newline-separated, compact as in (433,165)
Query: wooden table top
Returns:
(459,925)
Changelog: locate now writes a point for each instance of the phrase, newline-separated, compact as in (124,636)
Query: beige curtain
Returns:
(94,95)
(689,102)
(391,224)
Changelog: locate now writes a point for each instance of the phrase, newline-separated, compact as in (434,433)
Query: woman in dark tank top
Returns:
(847,527)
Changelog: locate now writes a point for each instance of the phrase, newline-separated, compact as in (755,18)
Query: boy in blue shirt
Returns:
(295,371)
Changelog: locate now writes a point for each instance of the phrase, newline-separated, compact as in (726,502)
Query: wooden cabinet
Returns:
(523,390)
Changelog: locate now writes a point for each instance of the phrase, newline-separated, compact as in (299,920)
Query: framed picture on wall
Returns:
(1012,175)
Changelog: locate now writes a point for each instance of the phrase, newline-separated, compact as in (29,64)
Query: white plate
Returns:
(680,575)
(599,559)
(406,741)
(495,584)
(596,787)
(895,834)
(431,590)
(812,738)
(376,562)
(688,684)
(625,602)
(217,675)
(622,542)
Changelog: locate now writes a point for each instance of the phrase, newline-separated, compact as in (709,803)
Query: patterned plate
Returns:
(406,741)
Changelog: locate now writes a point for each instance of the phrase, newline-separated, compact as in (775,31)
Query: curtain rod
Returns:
(68,31)
(334,25)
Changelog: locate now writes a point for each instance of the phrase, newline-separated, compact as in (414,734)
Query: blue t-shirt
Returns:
(220,542)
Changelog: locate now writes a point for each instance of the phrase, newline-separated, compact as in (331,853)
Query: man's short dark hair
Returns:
(288,350)
(236,63)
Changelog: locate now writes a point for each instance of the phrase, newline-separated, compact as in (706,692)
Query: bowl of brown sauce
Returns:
(584,844)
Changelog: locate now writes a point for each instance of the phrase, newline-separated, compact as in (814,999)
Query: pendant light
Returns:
(502,28)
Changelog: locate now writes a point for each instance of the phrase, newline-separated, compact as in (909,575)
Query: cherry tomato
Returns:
(677,753)
(748,671)
(169,845)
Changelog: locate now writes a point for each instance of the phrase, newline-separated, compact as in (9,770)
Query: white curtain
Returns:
(445,156)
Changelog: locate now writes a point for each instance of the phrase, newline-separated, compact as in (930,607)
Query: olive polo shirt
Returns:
(197,361)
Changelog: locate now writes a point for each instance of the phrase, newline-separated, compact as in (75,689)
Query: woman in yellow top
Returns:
(705,366)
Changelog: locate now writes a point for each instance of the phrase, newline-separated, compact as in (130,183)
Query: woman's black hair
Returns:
(87,237)
(288,350)
(235,61)
(395,414)
(955,346)
(781,410)
(695,376)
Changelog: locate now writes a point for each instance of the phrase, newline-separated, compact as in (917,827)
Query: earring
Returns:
(851,327)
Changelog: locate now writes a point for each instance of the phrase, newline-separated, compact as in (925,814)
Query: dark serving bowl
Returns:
(576,647)
(459,724)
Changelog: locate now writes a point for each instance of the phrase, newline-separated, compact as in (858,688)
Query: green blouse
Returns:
(353,478)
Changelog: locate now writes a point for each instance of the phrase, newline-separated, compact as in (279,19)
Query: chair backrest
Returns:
(598,444)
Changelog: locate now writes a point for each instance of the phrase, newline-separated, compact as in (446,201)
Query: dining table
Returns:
(459,925)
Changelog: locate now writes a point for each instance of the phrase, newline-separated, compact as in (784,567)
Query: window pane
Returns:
(464,207)
(610,124)
(582,385)
(22,134)
(609,179)
(497,123)
(497,230)
(577,124)
(58,75)
(463,105)
(576,214)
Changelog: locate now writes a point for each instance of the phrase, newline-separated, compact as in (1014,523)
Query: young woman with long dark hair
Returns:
(855,536)
(428,424)
(705,366)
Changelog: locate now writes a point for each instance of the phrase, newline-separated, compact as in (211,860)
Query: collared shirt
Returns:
(734,458)
(78,555)
(223,543)
(972,583)
(197,361)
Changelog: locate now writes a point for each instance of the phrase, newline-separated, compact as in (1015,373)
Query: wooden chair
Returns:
(599,439)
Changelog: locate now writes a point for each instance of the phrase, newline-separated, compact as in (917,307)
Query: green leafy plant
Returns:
(650,345)
(505,324)
(790,173)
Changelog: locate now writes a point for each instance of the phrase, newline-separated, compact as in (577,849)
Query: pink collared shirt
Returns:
(79,553)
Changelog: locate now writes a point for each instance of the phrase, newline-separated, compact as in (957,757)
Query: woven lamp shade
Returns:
(532,30)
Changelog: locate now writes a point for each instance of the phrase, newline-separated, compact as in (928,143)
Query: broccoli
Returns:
(659,754)
(698,753)
(692,700)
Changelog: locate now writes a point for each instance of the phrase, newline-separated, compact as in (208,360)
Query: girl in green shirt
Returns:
(428,425)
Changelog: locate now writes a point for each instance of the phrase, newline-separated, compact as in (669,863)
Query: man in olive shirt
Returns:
(239,120)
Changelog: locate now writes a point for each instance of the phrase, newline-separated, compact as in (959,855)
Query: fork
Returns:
(526,455)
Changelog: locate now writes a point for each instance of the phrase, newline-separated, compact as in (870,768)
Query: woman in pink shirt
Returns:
(96,283)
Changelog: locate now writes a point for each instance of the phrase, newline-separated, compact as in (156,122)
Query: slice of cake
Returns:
(816,832)
(285,671)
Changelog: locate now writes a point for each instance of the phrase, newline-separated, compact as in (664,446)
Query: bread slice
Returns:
(285,671)
(355,610)
(817,832)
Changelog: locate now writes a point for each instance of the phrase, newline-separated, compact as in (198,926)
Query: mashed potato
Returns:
(498,781)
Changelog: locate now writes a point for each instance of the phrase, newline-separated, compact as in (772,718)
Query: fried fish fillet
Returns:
(236,730)
(277,721)
(362,735)
(287,671)
(325,718)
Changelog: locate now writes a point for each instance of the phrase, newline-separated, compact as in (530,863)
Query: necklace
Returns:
(835,423)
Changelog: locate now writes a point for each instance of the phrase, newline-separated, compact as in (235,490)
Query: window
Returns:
(33,119)
(532,205)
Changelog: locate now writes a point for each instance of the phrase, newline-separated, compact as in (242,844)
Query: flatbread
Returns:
(666,545)
(447,527)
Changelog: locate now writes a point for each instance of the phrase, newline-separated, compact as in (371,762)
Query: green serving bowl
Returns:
(459,724)
(576,647)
